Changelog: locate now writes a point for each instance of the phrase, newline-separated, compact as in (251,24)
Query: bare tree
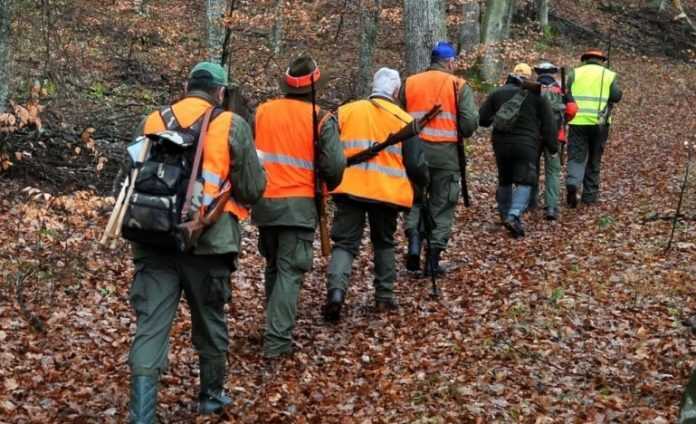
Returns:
(369,23)
(424,25)
(496,27)
(542,7)
(215,28)
(5,16)
(276,38)
(470,29)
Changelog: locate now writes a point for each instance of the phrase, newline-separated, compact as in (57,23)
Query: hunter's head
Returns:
(209,78)
(443,54)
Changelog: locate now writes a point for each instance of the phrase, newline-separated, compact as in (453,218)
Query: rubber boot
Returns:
(572,196)
(414,251)
(212,398)
(334,302)
(143,401)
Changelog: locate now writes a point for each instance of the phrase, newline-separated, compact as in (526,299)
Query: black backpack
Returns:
(154,210)
(506,117)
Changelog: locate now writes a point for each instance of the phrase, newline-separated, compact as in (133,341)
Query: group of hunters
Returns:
(271,173)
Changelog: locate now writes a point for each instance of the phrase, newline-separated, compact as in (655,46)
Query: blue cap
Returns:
(443,51)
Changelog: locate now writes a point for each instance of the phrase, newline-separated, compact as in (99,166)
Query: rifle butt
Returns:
(110,225)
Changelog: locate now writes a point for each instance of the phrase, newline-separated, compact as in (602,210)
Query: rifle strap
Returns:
(196,163)
(380,107)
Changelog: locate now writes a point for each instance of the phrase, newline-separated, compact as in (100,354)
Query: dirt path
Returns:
(580,321)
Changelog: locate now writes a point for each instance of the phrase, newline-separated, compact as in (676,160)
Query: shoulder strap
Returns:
(169,119)
(196,162)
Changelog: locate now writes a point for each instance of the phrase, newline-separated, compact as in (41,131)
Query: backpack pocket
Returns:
(158,178)
(150,213)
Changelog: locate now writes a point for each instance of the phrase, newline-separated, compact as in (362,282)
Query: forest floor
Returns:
(578,322)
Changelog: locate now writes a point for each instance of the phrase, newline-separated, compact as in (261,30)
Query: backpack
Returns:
(552,93)
(154,211)
(505,118)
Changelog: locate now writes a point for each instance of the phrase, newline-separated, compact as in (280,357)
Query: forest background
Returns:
(579,322)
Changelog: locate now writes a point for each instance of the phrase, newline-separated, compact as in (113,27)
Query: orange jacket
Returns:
(382,178)
(216,150)
(284,141)
(426,89)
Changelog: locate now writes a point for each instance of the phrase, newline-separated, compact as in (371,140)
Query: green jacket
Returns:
(298,211)
(249,182)
(444,155)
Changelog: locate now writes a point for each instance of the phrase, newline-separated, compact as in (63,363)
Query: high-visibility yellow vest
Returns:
(425,90)
(216,149)
(285,144)
(382,178)
(588,86)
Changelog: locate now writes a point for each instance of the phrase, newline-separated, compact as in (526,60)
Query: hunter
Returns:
(596,90)
(522,124)
(161,276)
(378,188)
(458,119)
(287,214)
(564,110)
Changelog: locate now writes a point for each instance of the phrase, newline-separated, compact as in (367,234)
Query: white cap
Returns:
(386,82)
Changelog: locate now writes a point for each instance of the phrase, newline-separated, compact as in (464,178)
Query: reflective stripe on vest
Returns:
(284,143)
(216,152)
(588,84)
(382,178)
(427,89)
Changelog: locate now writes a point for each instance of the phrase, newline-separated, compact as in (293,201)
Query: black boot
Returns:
(334,301)
(514,225)
(433,264)
(212,398)
(143,401)
(414,251)
(572,196)
(386,305)
(551,214)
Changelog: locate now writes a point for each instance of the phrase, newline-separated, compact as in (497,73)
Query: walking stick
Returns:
(681,196)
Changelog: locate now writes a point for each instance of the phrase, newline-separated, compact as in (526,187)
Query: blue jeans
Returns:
(513,200)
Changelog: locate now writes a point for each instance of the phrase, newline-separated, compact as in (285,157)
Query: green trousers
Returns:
(159,282)
(288,253)
(346,233)
(586,145)
(444,192)
(687,409)
(552,179)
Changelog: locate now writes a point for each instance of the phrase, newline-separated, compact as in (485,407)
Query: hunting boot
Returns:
(572,196)
(414,251)
(334,301)
(143,401)
(433,264)
(212,398)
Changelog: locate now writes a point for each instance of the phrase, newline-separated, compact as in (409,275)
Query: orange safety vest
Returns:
(216,150)
(425,90)
(284,142)
(382,178)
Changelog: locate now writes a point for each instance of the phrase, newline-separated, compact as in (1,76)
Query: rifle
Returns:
(113,226)
(563,119)
(407,131)
(319,199)
(427,225)
(461,153)
(604,114)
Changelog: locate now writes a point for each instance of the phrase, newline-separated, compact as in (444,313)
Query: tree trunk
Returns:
(215,28)
(470,29)
(543,13)
(276,39)
(5,17)
(424,26)
(496,27)
(369,23)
